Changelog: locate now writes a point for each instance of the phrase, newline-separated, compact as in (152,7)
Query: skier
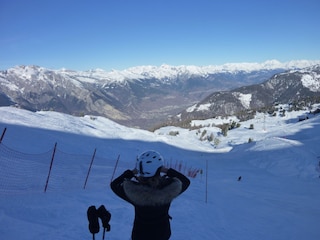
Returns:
(150,188)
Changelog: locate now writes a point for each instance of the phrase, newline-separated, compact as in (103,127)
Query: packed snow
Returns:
(277,197)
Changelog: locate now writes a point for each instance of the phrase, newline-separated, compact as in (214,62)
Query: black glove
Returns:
(93,220)
(105,217)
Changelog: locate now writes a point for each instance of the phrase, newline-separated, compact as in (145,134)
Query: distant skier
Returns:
(150,188)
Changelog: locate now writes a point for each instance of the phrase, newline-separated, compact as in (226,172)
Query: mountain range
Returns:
(295,87)
(147,95)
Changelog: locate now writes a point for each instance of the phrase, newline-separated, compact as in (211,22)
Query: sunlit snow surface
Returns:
(277,198)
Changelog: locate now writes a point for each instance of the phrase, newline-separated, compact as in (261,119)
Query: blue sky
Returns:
(117,34)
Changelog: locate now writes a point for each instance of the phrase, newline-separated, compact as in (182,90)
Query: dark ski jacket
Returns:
(151,205)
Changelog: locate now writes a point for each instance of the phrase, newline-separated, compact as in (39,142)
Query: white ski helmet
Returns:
(148,163)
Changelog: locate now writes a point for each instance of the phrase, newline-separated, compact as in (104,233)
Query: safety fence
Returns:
(55,170)
(51,170)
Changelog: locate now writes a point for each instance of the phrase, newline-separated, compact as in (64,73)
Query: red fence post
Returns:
(94,154)
(47,182)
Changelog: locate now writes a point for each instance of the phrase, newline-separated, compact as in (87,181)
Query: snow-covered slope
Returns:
(277,198)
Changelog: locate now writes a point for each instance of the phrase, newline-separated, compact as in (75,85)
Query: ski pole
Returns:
(104,232)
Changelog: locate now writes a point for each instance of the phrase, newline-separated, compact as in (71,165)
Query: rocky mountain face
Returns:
(138,97)
(288,87)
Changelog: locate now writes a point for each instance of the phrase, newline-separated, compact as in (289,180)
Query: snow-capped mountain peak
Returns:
(165,71)
(133,94)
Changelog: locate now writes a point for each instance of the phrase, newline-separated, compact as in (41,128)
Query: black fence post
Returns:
(115,167)
(47,182)
(2,135)
(94,154)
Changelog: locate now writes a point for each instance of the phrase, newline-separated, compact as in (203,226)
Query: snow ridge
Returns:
(165,72)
